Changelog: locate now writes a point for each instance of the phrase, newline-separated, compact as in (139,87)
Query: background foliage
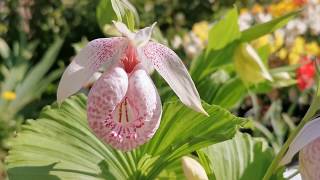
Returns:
(39,38)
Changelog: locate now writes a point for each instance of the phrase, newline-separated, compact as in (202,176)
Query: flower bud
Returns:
(192,169)
(249,65)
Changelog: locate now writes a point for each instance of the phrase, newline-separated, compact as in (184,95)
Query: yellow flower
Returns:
(262,41)
(282,53)
(243,10)
(297,50)
(312,48)
(201,30)
(278,40)
(294,58)
(9,95)
(298,45)
(257,8)
(282,8)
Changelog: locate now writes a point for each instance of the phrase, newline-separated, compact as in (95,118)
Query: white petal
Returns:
(104,51)
(143,35)
(171,68)
(123,29)
(308,133)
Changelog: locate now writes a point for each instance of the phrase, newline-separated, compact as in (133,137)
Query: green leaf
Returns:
(223,38)
(268,27)
(240,158)
(105,13)
(264,53)
(225,31)
(173,172)
(40,88)
(4,49)
(59,145)
(230,93)
(204,65)
(119,10)
(34,76)
(209,86)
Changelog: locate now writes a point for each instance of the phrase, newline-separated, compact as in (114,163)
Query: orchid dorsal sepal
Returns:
(139,38)
(308,134)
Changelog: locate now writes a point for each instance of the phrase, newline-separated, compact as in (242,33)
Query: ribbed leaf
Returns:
(59,145)
(240,158)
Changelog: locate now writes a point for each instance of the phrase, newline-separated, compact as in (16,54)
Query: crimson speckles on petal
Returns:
(107,49)
(172,69)
(124,108)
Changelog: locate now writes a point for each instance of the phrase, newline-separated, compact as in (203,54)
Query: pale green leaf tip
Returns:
(205,113)
(202,110)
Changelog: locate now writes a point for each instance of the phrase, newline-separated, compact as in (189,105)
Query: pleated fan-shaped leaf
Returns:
(60,145)
(240,158)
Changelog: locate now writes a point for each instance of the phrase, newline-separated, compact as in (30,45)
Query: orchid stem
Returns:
(307,117)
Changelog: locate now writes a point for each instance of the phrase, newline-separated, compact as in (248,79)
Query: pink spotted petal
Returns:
(308,134)
(104,51)
(309,161)
(171,68)
(124,113)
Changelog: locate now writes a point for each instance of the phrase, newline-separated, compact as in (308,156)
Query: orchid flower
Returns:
(124,108)
(308,143)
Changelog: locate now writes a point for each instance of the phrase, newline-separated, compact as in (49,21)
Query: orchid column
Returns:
(124,108)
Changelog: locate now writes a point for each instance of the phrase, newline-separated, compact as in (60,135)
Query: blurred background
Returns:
(39,38)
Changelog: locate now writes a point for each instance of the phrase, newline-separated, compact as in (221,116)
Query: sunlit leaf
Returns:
(223,38)
(118,10)
(240,158)
(59,145)
(225,31)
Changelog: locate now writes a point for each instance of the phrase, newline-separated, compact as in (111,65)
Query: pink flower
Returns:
(307,143)
(124,108)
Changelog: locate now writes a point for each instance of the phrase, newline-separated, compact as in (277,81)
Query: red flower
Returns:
(305,74)
(300,2)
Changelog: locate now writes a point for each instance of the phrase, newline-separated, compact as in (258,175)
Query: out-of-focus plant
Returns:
(61,145)
(22,83)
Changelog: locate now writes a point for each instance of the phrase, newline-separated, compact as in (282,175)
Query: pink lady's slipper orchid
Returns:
(124,108)
(308,143)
